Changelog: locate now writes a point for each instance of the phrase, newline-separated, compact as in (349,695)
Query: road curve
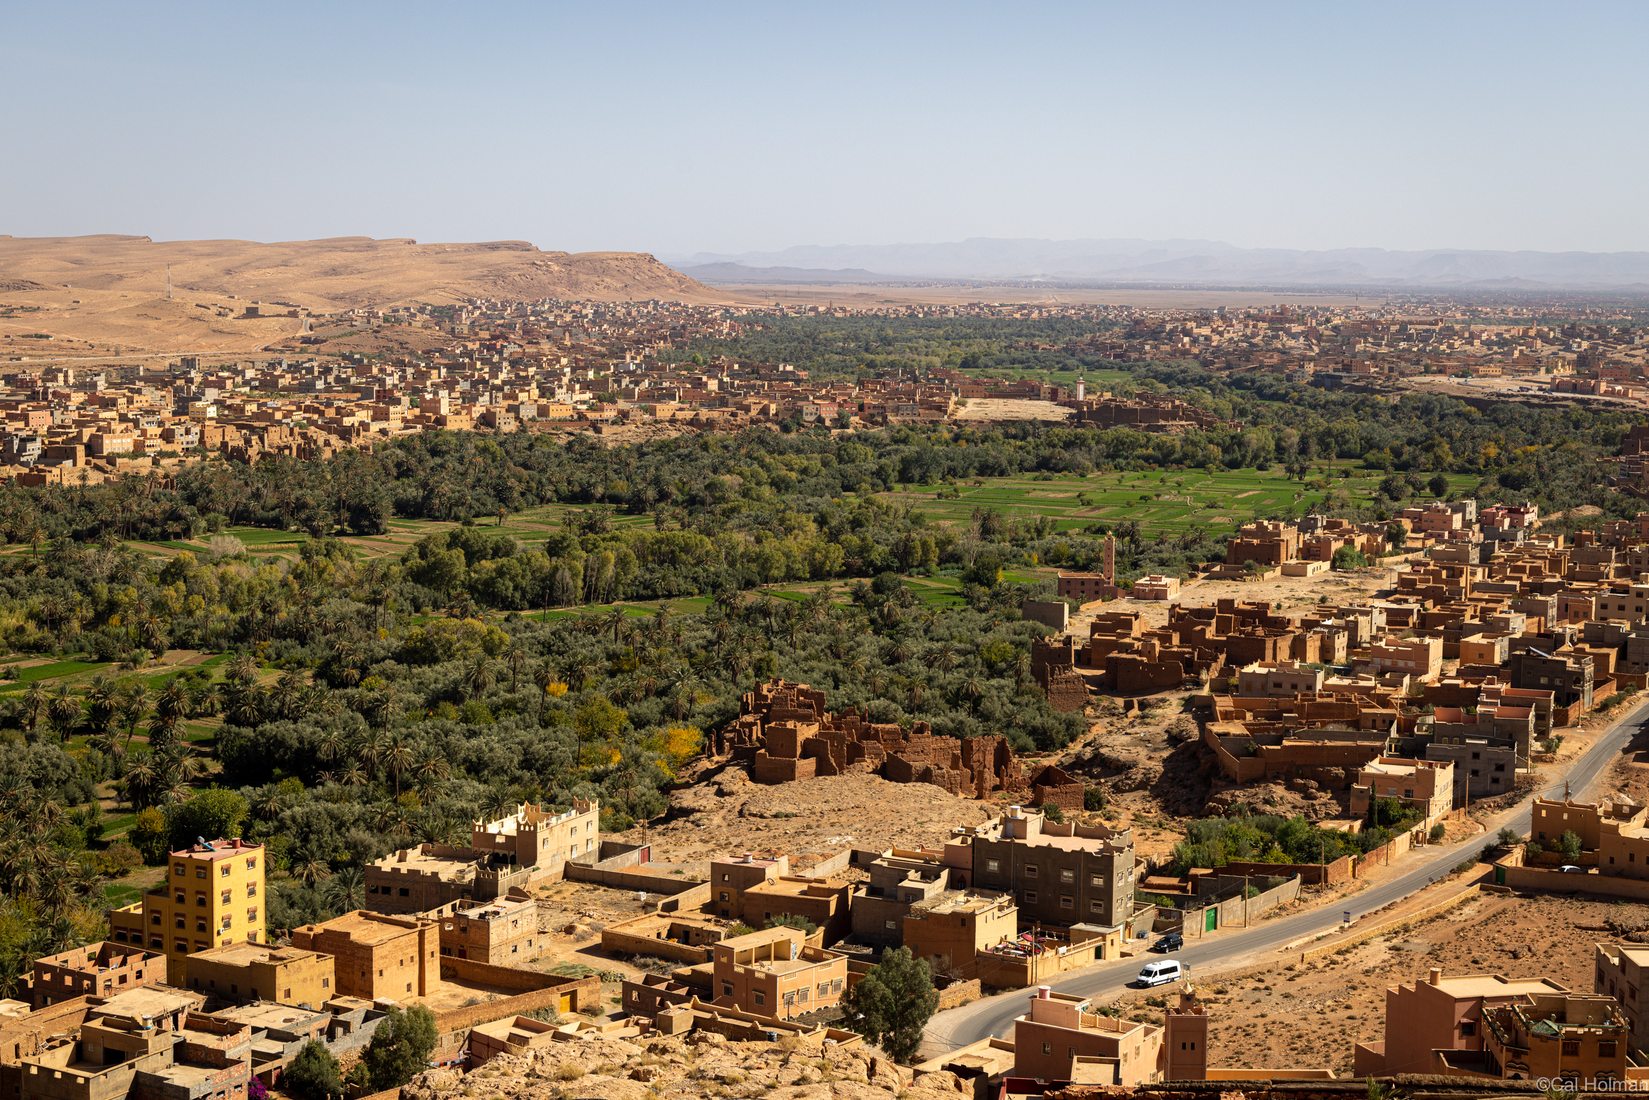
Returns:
(995,1015)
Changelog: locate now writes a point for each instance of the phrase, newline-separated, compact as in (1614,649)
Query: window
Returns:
(200,872)
(224,897)
(251,889)
(1468,1028)
(251,863)
(1065,902)
(1606,1048)
(891,925)
(1097,881)
(223,870)
(1096,906)
(1571,1048)
(1030,897)
(761,998)
(178,870)
(1067,876)
(1030,870)
(992,866)
(1047,1048)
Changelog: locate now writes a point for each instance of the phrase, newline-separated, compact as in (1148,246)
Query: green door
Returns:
(1211,919)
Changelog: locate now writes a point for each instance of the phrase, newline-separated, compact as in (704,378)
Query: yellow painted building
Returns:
(243,972)
(213,896)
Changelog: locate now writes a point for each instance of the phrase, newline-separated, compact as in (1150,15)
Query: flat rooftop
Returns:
(1494,985)
(217,849)
(247,954)
(959,901)
(363,929)
(148,1001)
(417,861)
(269,1015)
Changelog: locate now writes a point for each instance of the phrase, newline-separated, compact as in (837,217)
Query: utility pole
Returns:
(168,282)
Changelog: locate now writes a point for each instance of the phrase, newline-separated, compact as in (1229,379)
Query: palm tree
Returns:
(346,890)
(477,677)
(517,660)
(133,705)
(101,696)
(430,768)
(398,760)
(63,711)
(243,668)
(267,803)
(34,702)
(312,871)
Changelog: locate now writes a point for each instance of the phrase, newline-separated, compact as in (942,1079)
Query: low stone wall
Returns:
(1311,874)
(959,993)
(1550,881)
(623,879)
(564,995)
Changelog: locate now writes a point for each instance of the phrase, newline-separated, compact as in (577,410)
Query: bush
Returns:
(1093,799)
(215,814)
(1568,845)
(313,1074)
(1054,814)
(400,1048)
(1437,832)
(150,835)
(792,920)
(1348,557)
(119,858)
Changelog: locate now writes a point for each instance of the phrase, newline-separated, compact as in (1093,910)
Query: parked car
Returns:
(1571,869)
(1173,941)
(1161,973)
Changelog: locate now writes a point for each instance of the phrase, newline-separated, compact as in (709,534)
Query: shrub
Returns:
(313,1074)
(400,1048)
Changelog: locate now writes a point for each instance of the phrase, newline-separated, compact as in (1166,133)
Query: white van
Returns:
(1161,973)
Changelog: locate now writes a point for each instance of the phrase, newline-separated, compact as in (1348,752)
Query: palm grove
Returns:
(357,705)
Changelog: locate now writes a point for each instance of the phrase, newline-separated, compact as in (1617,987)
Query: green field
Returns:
(1166,502)
(55,670)
(1098,378)
(532,525)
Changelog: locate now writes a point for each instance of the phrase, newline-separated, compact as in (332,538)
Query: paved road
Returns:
(995,1015)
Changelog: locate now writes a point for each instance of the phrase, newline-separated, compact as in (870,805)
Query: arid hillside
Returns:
(86,296)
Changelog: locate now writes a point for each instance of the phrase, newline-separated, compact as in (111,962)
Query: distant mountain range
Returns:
(1175,262)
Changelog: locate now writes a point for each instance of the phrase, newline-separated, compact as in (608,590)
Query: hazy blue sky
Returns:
(684,126)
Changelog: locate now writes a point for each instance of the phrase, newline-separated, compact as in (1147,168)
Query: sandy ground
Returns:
(1003,408)
(1270,1017)
(106,295)
(729,814)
